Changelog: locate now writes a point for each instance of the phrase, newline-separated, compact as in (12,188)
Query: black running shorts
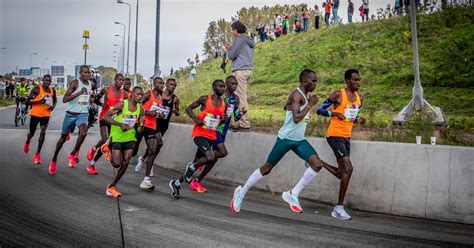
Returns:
(340,146)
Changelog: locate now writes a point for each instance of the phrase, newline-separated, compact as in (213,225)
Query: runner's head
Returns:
(127,84)
(137,94)
(218,87)
(119,80)
(171,85)
(231,83)
(22,80)
(47,80)
(85,73)
(158,84)
(238,28)
(308,80)
(352,78)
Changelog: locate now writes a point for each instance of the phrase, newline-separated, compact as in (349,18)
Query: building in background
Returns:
(57,73)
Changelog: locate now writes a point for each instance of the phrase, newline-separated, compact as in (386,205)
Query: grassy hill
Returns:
(382,51)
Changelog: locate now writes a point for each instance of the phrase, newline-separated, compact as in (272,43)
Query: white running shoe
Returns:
(139,165)
(147,184)
(339,213)
(151,172)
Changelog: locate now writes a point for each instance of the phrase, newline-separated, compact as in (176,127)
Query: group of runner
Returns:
(128,116)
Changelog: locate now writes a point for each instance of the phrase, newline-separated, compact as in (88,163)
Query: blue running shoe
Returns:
(292,201)
(236,201)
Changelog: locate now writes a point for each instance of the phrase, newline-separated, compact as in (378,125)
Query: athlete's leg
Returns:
(345,167)
(68,124)
(41,138)
(151,149)
(80,138)
(220,152)
(104,136)
(34,121)
(125,157)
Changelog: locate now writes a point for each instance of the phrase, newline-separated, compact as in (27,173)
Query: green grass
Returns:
(382,51)
(7,102)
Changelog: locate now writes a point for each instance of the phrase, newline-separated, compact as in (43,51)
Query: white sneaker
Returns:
(151,172)
(147,184)
(139,165)
(339,213)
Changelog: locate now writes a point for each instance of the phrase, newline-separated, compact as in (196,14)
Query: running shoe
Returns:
(91,170)
(72,160)
(139,165)
(105,148)
(107,156)
(76,157)
(112,191)
(91,153)
(174,189)
(26,148)
(196,186)
(292,201)
(188,174)
(339,213)
(147,184)
(37,159)
(236,200)
(52,168)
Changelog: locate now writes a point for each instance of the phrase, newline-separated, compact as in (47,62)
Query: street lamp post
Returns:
(136,47)
(86,36)
(128,42)
(120,54)
(31,57)
(42,64)
(123,44)
(157,40)
(118,60)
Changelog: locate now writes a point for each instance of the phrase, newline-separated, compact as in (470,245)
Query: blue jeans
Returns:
(335,18)
(71,120)
(349,17)
(305,25)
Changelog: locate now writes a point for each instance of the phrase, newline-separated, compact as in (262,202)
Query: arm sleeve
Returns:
(237,115)
(236,48)
(322,110)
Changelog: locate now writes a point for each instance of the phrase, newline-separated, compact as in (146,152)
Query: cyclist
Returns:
(21,92)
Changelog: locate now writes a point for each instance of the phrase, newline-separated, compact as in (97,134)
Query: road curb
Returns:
(7,107)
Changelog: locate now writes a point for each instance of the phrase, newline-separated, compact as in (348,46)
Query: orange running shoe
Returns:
(91,170)
(72,160)
(112,191)
(37,159)
(52,168)
(91,153)
(196,186)
(26,148)
(105,148)
(107,156)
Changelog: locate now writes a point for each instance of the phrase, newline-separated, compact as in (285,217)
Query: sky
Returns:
(53,29)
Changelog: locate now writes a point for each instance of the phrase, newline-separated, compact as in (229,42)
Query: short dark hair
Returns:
(170,79)
(83,67)
(348,73)
(137,88)
(128,79)
(216,81)
(46,76)
(156,78)
(305,73)
(118,75)
(230,77)
(239,26)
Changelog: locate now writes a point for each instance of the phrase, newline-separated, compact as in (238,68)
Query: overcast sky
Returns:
(53,29)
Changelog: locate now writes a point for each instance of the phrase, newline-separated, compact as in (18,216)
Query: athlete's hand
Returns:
(339,116)
(224,119)
(125,127)
(140,129)
(175,112)
(152,113)
(361,121)
(160,115)
(312,100)
(199,122)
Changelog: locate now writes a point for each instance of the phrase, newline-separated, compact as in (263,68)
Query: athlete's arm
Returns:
(100,95)
(68,96)
(237,112)
(295,100)
(189,110)
(358,119)
(32,95)
(335,100)
(176,106)
(55,99)
(225,117)
(114,111)
(146,98)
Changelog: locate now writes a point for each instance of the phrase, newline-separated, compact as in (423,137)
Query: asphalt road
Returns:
(71,209)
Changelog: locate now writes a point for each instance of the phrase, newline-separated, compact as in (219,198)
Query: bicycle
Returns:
(20,113)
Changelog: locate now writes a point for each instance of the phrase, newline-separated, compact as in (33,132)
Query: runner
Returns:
(79,96)
(290,137)
(170,105)
(213,113)
(112,95)
(122,134)
(220,151)
(127,85)
(42,100)
(346,106)
(20,92)
(151,105)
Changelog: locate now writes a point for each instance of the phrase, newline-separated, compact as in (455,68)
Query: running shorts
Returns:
(302,148)
(340,146)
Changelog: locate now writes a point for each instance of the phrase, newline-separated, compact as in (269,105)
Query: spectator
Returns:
(277,21)
(361,12)
(241,54)
(271,35)
(286,25)
(350,11)
(297,17)
(365,4)
(335,8)
(398,7)
(171,71)
(278,32)
(298,27)
(406,3)
(261,32)
(317,14)
(196,59)
(305,15)
(216,54)
(327,11)
(225,59)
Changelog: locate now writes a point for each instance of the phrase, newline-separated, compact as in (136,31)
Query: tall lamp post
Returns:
(42,64)
(31,58)
(417,102)
(128,39)
(157,40)
(123,52)
(86,36)
(120,54)
(123,42)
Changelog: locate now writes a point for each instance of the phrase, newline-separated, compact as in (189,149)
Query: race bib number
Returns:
(230,110)
(129,120)
(163,111)
(351,112)
(49,101)
(83,100)
(211,122)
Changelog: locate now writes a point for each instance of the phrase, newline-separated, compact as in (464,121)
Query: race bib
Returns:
(230,110)
(83,100)
(49,101)
(129,120)
(351,112)
(211,122)
(164,111)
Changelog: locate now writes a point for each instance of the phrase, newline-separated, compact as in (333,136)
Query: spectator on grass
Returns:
(327,11)
(365,5)
(286,25)
(297,17)
(335,8)
(305,16)
(350,11)
(317,15)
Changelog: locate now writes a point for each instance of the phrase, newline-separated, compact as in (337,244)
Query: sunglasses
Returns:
(47,80)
